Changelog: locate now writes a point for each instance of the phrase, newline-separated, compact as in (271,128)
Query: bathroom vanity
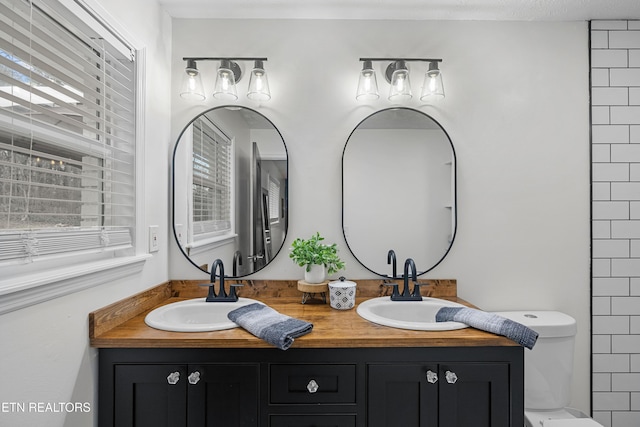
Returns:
(346,372)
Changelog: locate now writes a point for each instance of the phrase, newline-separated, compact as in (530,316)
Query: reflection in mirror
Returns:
(230,190)
(399,191)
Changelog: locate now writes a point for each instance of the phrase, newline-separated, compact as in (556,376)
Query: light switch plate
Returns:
(179,233)
(154,244)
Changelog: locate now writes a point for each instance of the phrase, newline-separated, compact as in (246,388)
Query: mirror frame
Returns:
(173,185)
(455,191)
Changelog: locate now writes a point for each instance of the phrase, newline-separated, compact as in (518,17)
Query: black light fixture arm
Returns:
(401,59)
(220,58)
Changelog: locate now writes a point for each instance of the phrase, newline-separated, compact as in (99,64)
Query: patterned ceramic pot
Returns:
(342,294)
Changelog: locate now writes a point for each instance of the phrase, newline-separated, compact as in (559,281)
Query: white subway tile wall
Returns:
(615,156)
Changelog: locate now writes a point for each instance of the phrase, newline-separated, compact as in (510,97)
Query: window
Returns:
(211,184)
(67,152)
(274,199)
(67,135)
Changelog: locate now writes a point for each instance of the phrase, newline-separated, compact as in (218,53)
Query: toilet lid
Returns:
(576,422)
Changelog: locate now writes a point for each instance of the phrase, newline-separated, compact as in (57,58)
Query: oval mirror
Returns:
(230,185)
(399,191)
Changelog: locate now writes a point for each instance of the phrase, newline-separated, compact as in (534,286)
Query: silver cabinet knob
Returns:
(451,377)
(432,377)
(173,378)
(194,377)
(312,386)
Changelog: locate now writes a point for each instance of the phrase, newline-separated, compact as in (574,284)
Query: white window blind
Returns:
(274,199)
(67,135)
(211,180)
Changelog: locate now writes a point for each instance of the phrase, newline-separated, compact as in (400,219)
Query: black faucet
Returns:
(221,296)
(237,260)
(391,259)
(408,295)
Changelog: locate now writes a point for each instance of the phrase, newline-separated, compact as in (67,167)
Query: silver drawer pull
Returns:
(451,377)
(312,386)
(173,378)
(194,377)
(432,377)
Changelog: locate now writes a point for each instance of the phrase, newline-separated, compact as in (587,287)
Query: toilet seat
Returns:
(576,422)
(567,417)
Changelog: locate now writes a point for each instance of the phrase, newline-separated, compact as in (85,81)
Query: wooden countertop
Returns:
(121,325)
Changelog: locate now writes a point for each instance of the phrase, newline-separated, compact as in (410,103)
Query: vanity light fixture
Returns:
(228,75)
(397,75)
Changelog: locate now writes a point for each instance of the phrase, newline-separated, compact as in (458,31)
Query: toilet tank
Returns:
(548,367)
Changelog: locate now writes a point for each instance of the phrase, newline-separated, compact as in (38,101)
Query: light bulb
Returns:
(225,81)
(192,83)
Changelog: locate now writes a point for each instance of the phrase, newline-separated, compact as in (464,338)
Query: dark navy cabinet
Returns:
(480,397)
(361,387)
(446,394)
(143,395)
(184,395)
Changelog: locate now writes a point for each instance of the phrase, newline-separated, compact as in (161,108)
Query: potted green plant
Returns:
(317,258)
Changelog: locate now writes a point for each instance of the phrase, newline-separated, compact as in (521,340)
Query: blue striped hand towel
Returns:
(266,323)
(489,322)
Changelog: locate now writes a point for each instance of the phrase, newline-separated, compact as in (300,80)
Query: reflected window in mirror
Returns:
(230,190)
(211,184)
(274,200)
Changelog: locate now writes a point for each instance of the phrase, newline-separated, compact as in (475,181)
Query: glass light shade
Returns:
(192,87)
(367,83)
(225,87)
(258,84)
(432,88)
(400,84)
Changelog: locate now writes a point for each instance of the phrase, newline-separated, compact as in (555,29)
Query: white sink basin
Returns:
(195,315)
(415,315)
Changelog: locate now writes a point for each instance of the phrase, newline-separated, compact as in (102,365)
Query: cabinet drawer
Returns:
(313,420)
(312,383)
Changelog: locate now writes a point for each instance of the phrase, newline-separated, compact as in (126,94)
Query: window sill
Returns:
(17,293)
(204,245)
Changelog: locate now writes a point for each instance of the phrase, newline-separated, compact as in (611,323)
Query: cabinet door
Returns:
(402,395)
(474,395)
(150,396)
(223,395)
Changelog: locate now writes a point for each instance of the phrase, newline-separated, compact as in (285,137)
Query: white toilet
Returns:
(548,368)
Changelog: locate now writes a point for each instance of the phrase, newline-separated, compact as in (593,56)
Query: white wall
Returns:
(517,111)
(44,349)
